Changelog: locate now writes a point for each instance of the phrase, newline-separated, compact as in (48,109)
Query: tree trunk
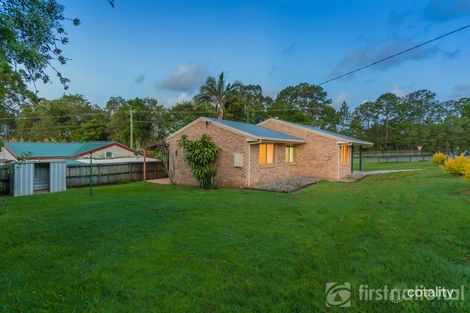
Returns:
(220,111)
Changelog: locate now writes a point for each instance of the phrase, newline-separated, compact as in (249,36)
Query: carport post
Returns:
(91,174)
(352,159)
(360,158)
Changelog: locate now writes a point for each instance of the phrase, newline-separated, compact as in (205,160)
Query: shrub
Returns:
(456,166)
(439,158)
(467,171)
(201,155)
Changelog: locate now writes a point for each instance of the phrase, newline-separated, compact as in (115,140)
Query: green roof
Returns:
(53,149)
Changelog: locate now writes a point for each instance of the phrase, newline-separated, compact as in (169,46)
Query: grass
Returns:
(142,247)
(373,165)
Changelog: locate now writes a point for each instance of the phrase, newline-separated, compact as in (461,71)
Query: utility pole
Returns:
(132,128)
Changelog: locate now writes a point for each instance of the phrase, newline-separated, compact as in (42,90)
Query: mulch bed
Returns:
(289,184)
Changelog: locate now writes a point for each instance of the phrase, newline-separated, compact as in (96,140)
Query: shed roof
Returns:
(54,149)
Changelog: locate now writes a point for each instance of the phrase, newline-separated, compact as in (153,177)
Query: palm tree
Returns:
(217,93)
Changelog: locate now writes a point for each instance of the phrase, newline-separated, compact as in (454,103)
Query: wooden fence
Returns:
(102,174)
(105,174)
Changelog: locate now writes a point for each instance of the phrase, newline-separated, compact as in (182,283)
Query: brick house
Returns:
(273,149)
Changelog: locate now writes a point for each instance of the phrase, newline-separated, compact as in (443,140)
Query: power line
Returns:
(395,55)
(135,111)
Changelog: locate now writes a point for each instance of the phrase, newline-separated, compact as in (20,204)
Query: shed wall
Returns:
(22,178)
(58,172)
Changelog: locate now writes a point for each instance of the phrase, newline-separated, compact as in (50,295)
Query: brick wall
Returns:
(229,142)
(268,172)
(319,157)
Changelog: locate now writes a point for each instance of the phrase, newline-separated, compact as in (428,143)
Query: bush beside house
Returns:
(201,156)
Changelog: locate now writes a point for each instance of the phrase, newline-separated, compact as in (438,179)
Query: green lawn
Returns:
(149,248)
(372,165)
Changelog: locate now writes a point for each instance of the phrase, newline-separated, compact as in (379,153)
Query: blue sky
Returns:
(166,49)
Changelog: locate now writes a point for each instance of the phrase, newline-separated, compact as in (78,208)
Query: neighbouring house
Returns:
(102,151)
(37,167)
(273,149)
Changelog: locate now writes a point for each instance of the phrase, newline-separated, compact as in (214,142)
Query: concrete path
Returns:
(161,181)
(384,171)
(360,175)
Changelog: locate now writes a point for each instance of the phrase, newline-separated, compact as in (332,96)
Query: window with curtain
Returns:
(345,152)
(289,154)
(266,153)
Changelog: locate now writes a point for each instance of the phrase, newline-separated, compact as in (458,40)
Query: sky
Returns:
(166,49)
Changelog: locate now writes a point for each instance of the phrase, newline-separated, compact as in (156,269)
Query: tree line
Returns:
(390,122)
(34,34)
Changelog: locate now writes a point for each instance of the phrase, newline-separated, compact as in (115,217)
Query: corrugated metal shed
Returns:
(30,177)
(58,176)
(22,179)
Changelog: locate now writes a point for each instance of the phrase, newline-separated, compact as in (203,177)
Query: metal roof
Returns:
(256,131)
(53,149)
(316,129)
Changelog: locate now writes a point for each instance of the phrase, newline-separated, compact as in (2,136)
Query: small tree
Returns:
(201,155)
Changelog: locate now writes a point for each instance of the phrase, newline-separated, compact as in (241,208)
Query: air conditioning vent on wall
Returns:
(238,159)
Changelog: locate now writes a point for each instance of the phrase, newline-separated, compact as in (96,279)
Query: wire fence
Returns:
(396,156)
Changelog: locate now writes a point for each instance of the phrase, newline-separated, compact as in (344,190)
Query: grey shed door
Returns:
(41,176)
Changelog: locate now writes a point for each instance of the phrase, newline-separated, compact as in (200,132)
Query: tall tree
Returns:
(311,101)
(387,106)
(64,119)
(217,92)
(247,104)
(32,36)
(144,112)
(344,118)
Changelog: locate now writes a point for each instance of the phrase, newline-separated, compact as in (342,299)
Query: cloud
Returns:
(289,49)
(185,79)
(461,90)
(182,97)
(371,53)
(340,98)
(272,70)
(398,90)
(446,10)
(397,17)
(139,79)
(450,55)
(270,92)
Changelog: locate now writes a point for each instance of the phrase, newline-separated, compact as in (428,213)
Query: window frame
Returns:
(345,154)
(289,154)
(264,157)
